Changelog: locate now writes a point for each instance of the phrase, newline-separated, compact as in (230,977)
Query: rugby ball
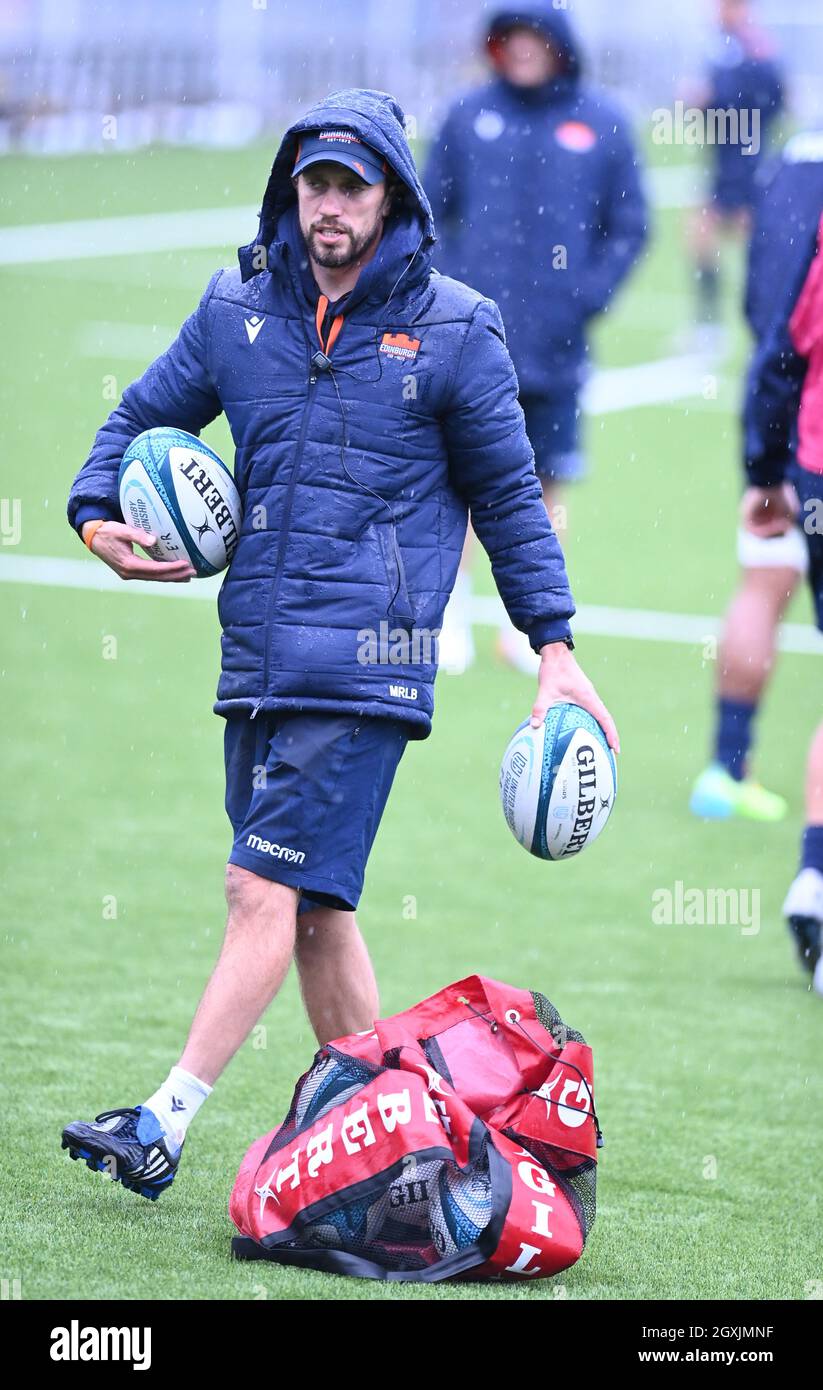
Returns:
(399,1218)
(346,1228)
(176,487)
(460,1207)
(402,1213)
(558,783)
(327,1084)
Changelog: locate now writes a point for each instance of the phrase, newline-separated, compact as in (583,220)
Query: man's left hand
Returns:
(561,678)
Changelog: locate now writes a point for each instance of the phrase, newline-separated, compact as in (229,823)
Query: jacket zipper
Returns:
(284,528)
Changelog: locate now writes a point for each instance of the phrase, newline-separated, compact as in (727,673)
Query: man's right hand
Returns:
(112,543)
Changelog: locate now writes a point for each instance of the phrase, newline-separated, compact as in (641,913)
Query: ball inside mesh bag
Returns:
(329,1083)
(400,1217)
(349,1228)
(459,1209)
(403,1210)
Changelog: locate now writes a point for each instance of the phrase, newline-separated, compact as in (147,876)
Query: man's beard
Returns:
(350,248)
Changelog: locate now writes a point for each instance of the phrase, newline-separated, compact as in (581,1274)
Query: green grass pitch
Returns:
(706,1041)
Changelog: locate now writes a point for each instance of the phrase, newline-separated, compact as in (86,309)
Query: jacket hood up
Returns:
(409,235)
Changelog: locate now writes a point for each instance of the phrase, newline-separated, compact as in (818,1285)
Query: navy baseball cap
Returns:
(342,147)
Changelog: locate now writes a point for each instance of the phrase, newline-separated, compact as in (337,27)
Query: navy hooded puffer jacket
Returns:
(538,202)
(355,480)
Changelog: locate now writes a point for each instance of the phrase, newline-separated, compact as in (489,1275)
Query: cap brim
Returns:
(369,173)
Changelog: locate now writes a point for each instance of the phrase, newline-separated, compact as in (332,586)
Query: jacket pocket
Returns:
(399,607)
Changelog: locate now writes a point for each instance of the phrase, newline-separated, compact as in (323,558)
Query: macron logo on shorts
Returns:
(293,856)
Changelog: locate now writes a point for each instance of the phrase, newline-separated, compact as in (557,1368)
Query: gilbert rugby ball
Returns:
(558,783)
(176,487)
(460,1209)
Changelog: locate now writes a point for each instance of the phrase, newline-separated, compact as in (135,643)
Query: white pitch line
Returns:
(608,390)
(639,624)
(133,233)
(127,236)
(645,383)
(653,625)
(93,574)
(648,383)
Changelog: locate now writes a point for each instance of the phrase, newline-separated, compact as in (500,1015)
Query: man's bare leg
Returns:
(257,950)
(745,661)
(704,228)
(144,1143)
(746,656)
(336,974)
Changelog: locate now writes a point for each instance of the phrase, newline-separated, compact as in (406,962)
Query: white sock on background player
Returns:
(176,1102)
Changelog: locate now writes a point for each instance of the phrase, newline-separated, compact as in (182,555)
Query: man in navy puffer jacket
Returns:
(372,402)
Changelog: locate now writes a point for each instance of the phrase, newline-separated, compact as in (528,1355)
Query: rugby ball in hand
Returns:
(558,783)
(176,487)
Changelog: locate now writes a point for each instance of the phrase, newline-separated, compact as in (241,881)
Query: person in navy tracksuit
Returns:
(783,441)
(786,215)
(744,78)
(534,182)
(372,402)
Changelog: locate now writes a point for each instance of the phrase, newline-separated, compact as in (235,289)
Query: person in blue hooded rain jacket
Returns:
(535,188)
(372,401)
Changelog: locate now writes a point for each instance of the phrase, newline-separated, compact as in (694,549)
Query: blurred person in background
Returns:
(742,76)
(784,403)
(534,182)
(772,565)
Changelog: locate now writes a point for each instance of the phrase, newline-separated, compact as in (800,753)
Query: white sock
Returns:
(177,1101)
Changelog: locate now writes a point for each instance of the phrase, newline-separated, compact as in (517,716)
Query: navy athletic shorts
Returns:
(553,427)
(809,488)
(305,793)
